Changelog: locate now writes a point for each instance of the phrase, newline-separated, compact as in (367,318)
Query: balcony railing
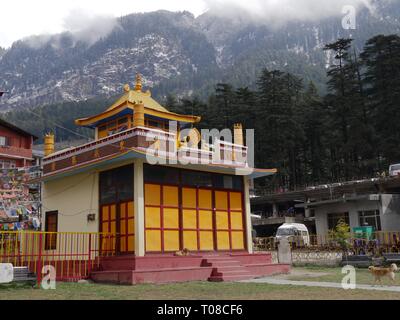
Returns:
(16,152)
(152,141)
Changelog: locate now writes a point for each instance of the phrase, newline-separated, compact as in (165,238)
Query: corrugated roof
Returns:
(15,128)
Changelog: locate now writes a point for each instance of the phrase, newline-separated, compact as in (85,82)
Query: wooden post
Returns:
(249,226)
(138,183)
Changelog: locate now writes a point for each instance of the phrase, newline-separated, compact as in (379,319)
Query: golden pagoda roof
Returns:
(132,98)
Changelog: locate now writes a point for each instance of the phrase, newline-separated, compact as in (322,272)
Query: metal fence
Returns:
(320,247)
(73,254)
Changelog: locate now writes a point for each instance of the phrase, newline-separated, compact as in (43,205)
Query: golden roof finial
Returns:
(138,85)
(127,88)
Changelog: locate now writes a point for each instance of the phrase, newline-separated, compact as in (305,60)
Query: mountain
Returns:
(176,53)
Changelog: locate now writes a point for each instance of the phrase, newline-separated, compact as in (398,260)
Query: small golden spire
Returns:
(138,85)
(127,88)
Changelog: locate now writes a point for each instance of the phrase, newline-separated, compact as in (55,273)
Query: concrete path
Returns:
(270,280)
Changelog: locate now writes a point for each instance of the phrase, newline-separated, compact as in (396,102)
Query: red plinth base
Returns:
(168,268)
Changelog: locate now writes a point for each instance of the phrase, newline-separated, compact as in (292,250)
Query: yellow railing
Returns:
(73,254)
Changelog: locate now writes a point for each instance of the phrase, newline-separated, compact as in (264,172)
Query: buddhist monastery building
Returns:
(175,204)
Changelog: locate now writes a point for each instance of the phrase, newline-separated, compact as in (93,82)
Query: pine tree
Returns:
(345,105)
(224,96)
(381,58)
(314,123)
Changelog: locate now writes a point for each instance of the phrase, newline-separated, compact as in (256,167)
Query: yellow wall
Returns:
(71,196)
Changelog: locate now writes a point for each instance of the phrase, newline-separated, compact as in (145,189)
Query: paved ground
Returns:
(301,272)
(277,281)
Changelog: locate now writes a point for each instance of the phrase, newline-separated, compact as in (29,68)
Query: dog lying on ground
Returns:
(182,253)
(382,272)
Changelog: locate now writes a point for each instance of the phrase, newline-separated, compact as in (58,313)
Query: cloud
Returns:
(78,25)
(277,12)
(88,27)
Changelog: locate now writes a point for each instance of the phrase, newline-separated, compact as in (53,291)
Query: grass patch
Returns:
(363,276)
(187,291)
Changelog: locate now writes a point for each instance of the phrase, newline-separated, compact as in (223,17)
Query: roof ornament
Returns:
(127,88)
(138,84)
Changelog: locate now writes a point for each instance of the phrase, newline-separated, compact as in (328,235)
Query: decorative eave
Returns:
(91,121)
(132,98)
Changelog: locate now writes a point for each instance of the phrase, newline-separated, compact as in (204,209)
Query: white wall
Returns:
(352,207)
(74,197)
(390,212)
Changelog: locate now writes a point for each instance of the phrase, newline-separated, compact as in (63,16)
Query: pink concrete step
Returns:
(129,262)
(247,258)
(229,268)
(226,268)
(221,263)
(152,276)
(168,268)
(238,270)
(233,277)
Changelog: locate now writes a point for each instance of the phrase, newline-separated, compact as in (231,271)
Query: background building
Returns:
(15,146)
(371,202)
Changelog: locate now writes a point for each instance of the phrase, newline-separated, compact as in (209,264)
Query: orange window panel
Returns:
(104,212)
(131,243)
(223,240)
(171,240)
(152,218)
(152,194)
(189,219)
(206,241)
(189,198)
(123,244)
(131,210)
(170,196)
(190,240)
(222,220)
(205,220)
(171,218)
(113,227)
(153,240)
(221,200)
(122,210)
(105,245)
(236,201)
(237,240)
(205,199)
(237,220)
(131,226)
(113,212)
(122,226)
(105,227)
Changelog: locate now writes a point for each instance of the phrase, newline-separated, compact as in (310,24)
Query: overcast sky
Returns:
(22,18)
